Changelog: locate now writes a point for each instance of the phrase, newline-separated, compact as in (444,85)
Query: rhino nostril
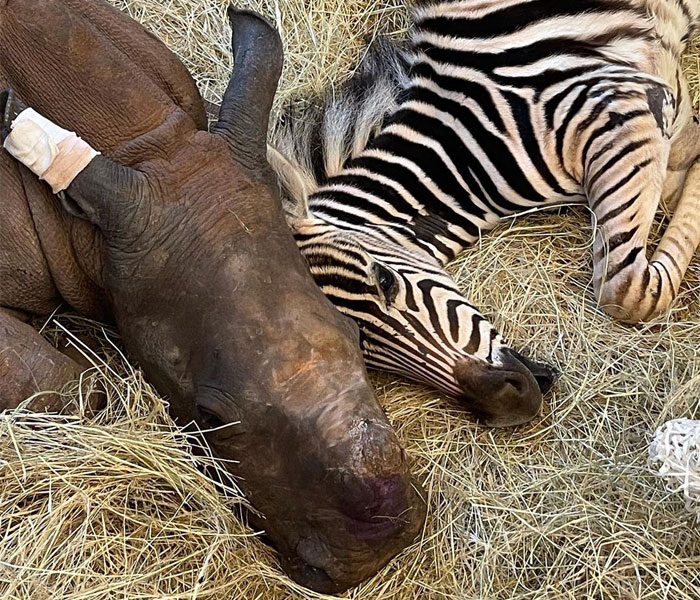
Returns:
(314,553)
(310,577)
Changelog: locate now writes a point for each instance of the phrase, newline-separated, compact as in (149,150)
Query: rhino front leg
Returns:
(29,364)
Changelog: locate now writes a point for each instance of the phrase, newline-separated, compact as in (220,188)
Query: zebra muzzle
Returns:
(506,395)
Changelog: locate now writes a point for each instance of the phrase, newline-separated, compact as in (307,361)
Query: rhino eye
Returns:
(208,419)
(387,282)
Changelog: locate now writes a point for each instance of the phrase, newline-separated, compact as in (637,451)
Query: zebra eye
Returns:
(387,282)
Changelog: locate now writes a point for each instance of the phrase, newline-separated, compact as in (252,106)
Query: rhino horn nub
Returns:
(245,110)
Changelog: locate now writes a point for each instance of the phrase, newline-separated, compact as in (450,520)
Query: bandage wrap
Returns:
(56,155)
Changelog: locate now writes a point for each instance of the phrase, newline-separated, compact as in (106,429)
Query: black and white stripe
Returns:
(492,107)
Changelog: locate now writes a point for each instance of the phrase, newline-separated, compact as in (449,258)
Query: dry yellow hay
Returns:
(564,508)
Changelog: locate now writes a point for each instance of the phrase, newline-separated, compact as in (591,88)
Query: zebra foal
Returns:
(493,107)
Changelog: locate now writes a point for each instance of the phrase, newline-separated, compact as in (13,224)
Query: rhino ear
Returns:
(245,109)
(105,193)
(296,187)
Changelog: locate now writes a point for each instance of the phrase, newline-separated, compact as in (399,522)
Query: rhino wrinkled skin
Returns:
(177,235)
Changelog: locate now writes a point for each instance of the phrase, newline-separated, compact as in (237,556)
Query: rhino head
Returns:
(211,295)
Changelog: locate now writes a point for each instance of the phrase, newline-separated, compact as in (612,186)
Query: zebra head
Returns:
(414,321)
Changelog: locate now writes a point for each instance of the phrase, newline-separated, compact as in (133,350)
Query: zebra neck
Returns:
(431,228)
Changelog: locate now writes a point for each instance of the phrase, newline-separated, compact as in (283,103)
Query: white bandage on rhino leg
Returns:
(56,155)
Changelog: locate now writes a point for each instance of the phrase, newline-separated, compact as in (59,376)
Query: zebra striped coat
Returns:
(491,108)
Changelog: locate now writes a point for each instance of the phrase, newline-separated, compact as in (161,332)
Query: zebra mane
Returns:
(313,139)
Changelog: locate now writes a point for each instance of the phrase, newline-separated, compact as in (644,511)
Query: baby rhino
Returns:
(177,235)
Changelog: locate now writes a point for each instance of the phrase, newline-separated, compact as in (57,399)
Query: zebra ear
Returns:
(296,187)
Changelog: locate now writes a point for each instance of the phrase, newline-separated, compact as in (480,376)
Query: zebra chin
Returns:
(504,395)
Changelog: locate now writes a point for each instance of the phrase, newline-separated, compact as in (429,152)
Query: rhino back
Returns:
(63,66)
(92,69)
(150,54)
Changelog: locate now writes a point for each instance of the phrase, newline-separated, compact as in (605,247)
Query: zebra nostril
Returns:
(518,383)
(545,380)
(544,375)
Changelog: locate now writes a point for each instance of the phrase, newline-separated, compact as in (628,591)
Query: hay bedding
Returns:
(114,506)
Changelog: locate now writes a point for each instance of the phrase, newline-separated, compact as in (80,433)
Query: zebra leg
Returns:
(685,148)
(682,236)
(673,188)
(624,171)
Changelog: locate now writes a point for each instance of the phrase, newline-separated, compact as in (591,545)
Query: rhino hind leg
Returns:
(29,365)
